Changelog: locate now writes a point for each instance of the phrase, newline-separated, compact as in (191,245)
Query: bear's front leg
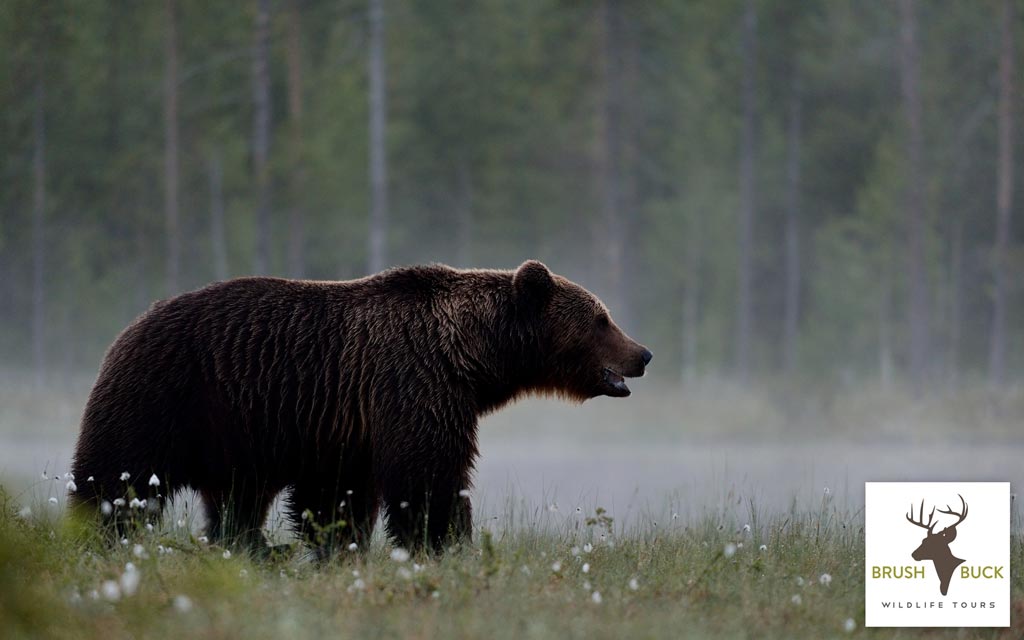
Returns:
(426,510)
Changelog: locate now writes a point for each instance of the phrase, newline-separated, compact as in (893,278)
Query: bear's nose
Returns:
(646,356)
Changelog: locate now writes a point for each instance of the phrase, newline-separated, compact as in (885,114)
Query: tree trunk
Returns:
(296,215)
(218,244)
(39,229)
(691,298)
(917,305)
(261,135)
(1004,196)
(791,315)
(464,207)
(378,168)
(171,213)
(610,237)
(745,228)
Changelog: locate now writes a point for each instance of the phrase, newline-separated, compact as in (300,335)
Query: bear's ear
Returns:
(533,283)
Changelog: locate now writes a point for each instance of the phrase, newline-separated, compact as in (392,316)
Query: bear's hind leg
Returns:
(236,518)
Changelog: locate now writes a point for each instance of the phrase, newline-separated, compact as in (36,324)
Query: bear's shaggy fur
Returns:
(356,395)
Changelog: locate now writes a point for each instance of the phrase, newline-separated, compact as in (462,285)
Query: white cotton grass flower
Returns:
(675,516)
(763,547)
(242,573)
(596,597)
(799,581)
(106,508)
(182,603)
(154,481)
(119,502)
(575,551)
(149,527)
(398,554)
(464,493)
(729,550)
(556,566)
(587,548)
(551,507)
(796,599)
(43,475)
(124,476)
(227,554)
(404,573)
(25,513)
(825,579)
(90,479)
(124,542)
(586,567)
(849,626)
(435,594)
(404,504)
(746,528)
(71,486)
(180,523)
(136,503)
(139,551)
(359,584)
(53,500)
(828,491)
(204,540)
(586,585)
(353,547)
(130,580)
(633,584)
(111,590)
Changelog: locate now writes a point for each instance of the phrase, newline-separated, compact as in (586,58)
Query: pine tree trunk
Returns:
(791,315)
(218,244)
(1004,196)
(39,230)
(296,215)
(171,212)
(747,212)
(378,169)
(917,305)
(261,135)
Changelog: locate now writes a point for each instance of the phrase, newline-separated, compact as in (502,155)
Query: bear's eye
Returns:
(602,321)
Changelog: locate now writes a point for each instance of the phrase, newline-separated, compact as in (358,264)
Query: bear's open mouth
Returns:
(616,382)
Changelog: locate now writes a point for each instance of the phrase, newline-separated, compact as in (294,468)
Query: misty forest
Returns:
(824,190)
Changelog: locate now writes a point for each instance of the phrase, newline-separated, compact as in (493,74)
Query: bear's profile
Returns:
(357,395)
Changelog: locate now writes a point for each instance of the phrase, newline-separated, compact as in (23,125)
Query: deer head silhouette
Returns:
(935,546)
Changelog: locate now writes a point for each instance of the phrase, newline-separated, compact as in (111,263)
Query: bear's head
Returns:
(582,352)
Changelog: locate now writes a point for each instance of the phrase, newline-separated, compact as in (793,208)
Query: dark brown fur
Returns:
(365,392)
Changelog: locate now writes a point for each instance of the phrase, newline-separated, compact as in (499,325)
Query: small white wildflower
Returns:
(348,492)
(633,584)
(203,539)
(587,548)
(799,581)
(553,506)
(149,526)
(227,554)
(417,567)
(828,491)
(796,599)
(359,584)
(139,551)
(136,503)
(355,573)
(306,514)
(180,523)
(353,547)
(130,582)
(124,476)
(586,567)
(119,502)
(154,481)
(730,550)
(129,566)
(763,547)
(746,528)
(25,513)
(435,594)
(587,585)
(579,510)
(43,475)
(182,603)
(124,542)
(398,554)
(106,508)
(94,594)
(75,597)
(825,579)
(161,549)
(341,505)
(575,551)
(596,597)
(403,505)
(849,626)
(675,516)
(242,573)
(525,570)
(556,566)
(404,573)
(739,545)
(90,479)
(53,500)
(464,493)
(69,476)
(111,591)
(71,486)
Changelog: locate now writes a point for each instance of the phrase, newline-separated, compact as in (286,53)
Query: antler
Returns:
(920,521)
(962,516)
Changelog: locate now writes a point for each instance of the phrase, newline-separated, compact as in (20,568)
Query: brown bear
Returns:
(354,394)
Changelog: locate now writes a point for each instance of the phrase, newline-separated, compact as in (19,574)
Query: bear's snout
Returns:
(646,356)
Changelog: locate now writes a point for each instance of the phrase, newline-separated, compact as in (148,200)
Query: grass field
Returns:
(540,574)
